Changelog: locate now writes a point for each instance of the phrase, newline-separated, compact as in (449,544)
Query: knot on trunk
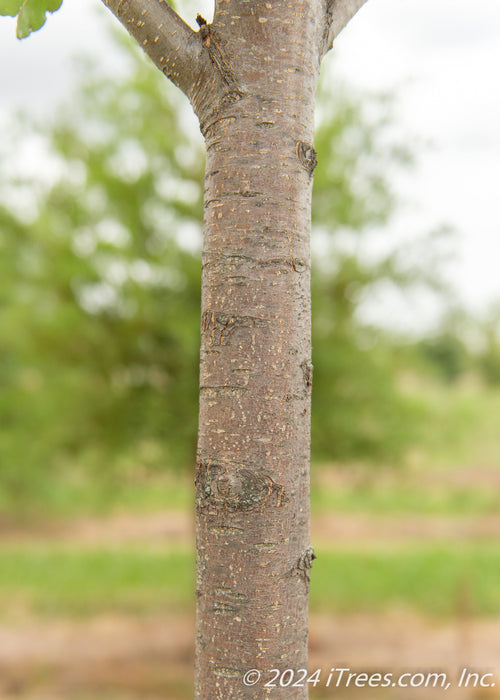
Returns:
(219,327)
(231,488)
(303,565)
(307,156)
(307,371)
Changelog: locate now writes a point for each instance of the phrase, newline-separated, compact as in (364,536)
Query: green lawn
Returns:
(437,581)
(79,582)
(401,497)
(463,426)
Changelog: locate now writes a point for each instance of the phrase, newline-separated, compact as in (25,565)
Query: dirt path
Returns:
(178,528)
(114,656)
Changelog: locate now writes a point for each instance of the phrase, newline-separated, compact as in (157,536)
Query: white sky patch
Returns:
(442,57)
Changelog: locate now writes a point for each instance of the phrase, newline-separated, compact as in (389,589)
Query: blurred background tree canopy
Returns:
(100,236)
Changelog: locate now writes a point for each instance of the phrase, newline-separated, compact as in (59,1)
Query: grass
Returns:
(65,499)
(65,581)
(463,425)
(438,581)
(400,498)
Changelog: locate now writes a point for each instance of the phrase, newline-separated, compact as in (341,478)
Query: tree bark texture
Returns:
(251,77)
(256,373)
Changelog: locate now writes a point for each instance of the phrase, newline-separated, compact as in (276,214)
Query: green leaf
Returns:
(10,7)
(30,13)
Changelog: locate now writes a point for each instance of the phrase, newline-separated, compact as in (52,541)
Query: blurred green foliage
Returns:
(359,410)
(100,286)
(99,295)
(487,358)
(464,345)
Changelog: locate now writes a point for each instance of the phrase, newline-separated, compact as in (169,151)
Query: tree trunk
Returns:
(252,503)
(251,77)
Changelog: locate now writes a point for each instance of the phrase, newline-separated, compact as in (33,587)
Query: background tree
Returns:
(102,303)
(104,328)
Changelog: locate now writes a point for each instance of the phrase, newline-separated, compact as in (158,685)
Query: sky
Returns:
(439,57)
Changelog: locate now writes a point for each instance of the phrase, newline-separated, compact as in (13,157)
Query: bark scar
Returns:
(213,44)
(307,156)
(221,326)
(229,488)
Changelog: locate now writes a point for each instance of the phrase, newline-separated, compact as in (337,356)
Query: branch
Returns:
(338,13)
(170,43)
